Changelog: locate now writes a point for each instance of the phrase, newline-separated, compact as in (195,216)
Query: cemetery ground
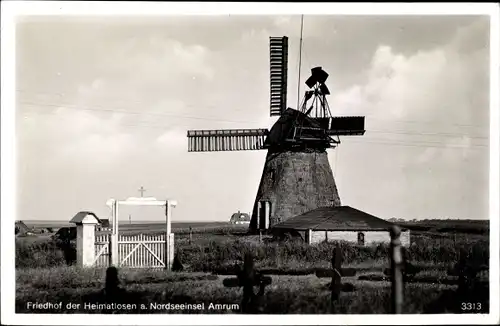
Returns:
(209,255)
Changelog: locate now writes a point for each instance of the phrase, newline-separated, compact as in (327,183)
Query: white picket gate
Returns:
(102,252)
(135,251)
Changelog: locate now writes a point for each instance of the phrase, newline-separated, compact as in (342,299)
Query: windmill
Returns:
(297,175)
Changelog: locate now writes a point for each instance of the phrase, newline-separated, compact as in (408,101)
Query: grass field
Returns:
(147,226)
(287,294)
(41,274)
(435,226)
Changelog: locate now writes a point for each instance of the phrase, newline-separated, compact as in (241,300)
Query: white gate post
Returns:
(114,235)
(169,237)
(131,201)
(85,241)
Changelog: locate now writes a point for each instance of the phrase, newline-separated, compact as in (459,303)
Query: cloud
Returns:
(70,136)
(153,76)
(174,139)
(439,84)
(282,21)
(112,61)
(95,86)
(397,86)
(161,58)
(419,109)
(80,148)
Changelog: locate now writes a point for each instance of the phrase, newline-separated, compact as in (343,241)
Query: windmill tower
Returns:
(297,175)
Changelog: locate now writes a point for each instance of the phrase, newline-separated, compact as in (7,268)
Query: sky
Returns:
(103,106)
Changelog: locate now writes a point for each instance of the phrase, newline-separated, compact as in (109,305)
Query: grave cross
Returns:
(396,274)
(142,190)
(247,278)
(336,273)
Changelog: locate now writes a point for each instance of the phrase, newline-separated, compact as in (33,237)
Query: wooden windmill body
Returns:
(297,175)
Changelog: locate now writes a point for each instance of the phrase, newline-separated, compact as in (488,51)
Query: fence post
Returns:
(396,275)
(336,284)
(190,235)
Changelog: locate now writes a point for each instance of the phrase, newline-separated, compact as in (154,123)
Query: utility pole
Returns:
(300,60)
(129,219)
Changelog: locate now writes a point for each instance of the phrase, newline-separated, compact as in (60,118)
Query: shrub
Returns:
(216,255)
(43,254)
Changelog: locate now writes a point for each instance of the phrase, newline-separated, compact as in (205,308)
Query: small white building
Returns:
(104,225)
(240,218)
(340,223)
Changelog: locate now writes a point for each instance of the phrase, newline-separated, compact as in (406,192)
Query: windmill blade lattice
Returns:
(278,55)
(226,140)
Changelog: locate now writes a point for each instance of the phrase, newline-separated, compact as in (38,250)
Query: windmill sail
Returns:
(226,140)
(346,126)
(299,138)
(278,53)
(342,126)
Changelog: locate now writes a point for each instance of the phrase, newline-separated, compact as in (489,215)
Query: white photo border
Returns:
(10,10)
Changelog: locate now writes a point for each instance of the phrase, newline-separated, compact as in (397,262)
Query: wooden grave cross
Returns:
(247,278)
(397,264)
(336,273)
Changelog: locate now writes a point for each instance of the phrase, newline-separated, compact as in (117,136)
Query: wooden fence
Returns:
(134,251)
(102,250)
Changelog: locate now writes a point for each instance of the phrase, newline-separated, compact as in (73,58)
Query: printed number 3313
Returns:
(471,306)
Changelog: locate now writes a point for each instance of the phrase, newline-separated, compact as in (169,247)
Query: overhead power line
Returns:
(440,123)
(101,109)
(388,142)
(160,114)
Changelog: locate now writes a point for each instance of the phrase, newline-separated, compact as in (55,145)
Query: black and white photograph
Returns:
(249,163)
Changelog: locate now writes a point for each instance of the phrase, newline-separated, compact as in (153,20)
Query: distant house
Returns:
(41,230)
(22,229)
(65,234)
(240,218)
(103,225)
(339,223)
(69,233)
